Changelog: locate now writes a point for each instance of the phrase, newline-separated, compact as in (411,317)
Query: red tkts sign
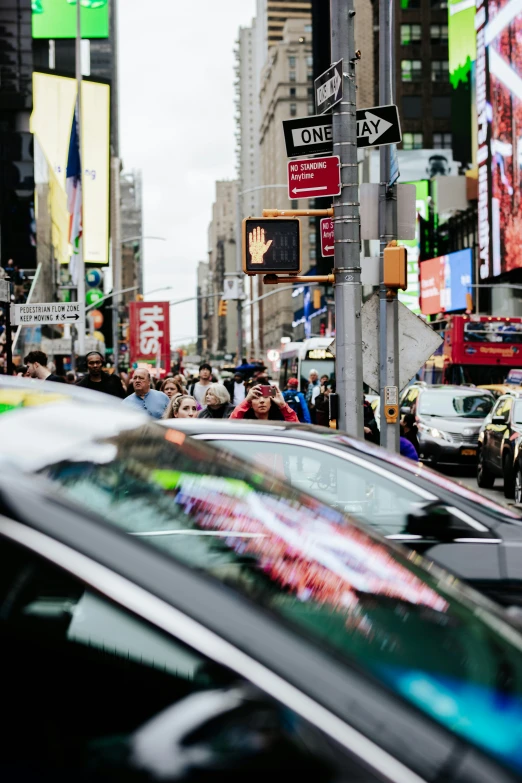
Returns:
(311,177)
(149,334)
(327,237)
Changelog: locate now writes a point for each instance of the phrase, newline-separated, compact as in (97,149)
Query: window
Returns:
(411,106)
(292,92)
(291,76)
(441,106)
(310,92)
(439,70)
(291,62)
(312,253)
(412,141)
(439,33)
(310,61)
(131,674)
(311,108)
(411,70)
(294,204)
(502,408)
(310,75)
(410,33)
(442,141)
(312,237)
(293,109)
(308,28)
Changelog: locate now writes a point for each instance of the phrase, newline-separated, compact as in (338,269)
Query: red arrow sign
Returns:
(327,237)
(311,177)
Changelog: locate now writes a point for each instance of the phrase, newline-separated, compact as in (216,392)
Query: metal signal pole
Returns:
(388,302)
(80,325)
(347,269)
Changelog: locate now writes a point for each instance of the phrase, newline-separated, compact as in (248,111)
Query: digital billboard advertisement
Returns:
(149,334)
(54,99)
(499,115)
(445,281)
(57,18)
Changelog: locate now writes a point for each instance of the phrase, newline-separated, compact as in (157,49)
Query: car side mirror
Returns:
(433,520)
(498,420)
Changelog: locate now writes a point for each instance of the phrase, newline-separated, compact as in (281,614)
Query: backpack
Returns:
(292,399)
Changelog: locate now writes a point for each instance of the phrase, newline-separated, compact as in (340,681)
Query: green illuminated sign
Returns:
(462,47)
(57,18)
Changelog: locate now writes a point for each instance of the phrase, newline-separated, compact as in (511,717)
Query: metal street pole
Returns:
(80,324)
(388,302)
(116,257)
(347,270)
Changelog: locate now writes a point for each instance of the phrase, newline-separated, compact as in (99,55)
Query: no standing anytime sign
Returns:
(311,177)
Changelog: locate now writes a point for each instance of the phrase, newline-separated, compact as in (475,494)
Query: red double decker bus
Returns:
(477,349)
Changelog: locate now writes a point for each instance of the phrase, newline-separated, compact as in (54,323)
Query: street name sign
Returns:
(46,313)
(329,88)
(308,135)
(327,237)
(378,127)
(271,246)
(311,177)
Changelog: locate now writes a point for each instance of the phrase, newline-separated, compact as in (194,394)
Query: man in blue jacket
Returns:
(296,400)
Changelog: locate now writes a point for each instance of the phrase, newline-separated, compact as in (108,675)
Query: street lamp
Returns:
(135,239)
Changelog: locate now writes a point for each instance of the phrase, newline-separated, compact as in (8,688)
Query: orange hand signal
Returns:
(257,245)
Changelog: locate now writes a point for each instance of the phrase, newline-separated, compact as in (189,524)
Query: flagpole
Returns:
(80,325)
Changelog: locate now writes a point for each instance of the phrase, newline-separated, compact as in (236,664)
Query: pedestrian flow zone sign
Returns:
(46,313)
(314,136)
(271,246)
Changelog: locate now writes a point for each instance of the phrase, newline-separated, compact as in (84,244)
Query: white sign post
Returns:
(46,313)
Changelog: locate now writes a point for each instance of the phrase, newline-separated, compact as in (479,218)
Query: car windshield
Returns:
(461,404)
(348,590)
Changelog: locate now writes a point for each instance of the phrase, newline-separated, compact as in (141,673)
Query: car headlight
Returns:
(435,433)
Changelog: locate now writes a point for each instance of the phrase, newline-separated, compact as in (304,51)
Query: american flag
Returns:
(73,188)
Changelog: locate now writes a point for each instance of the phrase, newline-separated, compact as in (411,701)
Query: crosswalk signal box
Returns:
(271,246)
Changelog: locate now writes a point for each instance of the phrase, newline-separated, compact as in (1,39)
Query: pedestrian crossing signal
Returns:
(271,246)
(222,307)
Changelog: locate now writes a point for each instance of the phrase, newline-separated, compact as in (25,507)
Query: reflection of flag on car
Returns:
(73,187)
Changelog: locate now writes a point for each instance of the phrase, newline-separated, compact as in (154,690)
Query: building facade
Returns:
(423,91)
(221,330)
(131,211)
(17,219)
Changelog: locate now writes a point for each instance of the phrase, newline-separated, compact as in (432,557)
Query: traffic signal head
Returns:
(395,267)
(317,298)
(271,246)
(222,307)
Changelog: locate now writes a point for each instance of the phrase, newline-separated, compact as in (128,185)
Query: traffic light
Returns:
(271,246)
(139,297)
(395,267)
(222,307)
(317,298)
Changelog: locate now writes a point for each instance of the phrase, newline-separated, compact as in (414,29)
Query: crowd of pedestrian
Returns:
(250,395)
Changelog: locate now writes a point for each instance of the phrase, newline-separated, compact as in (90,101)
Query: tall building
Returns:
(202,291)
(221,331)
(273,14)
(17,227)
(423,91)
(131,232)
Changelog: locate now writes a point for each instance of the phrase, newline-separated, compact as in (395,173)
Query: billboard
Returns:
(499,110)
(149,334)
(444,282)
(57,18)
(54,99)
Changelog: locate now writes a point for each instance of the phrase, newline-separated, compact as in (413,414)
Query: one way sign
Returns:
(378,126)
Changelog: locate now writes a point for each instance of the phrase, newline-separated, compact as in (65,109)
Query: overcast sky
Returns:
(176,125)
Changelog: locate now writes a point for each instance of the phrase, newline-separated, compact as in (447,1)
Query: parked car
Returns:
(169,614)
(449,419)
(475,538)
(496,443)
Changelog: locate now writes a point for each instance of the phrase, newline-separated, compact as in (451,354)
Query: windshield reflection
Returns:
(312,567)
